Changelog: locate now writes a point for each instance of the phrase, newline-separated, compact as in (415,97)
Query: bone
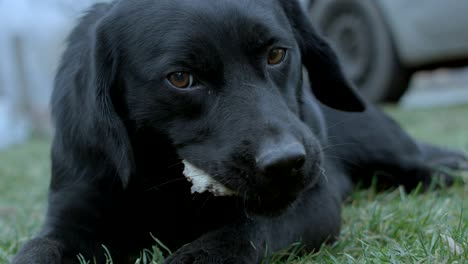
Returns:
(202,182)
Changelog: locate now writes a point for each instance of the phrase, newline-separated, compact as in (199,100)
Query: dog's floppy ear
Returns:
(88,127)
(328,82)
(117,146)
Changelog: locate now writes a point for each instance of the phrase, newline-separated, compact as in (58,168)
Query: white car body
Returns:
(425,32)
(428,31)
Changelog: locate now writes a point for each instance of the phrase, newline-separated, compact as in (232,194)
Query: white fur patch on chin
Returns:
(202,182)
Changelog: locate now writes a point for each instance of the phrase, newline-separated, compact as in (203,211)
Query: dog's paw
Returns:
(40,251)
(214,252)
(443,157)
(452,160)
(449,167)
(192,255)
(446,165)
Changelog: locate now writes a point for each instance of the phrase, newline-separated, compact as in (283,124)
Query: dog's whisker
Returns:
(342,122)
(281,73)
(323,149)
(323,173)
(175,164)
(354,164)
(249,84)
(246,213)
(164,183)
(206,200)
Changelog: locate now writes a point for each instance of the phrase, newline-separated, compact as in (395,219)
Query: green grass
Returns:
(24,178)
(392,227)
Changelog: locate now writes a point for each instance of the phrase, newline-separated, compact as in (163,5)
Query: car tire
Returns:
(363,42)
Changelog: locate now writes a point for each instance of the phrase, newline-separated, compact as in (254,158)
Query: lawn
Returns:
(392,227)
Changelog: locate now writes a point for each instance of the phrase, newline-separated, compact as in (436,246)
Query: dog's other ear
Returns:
(88,128)
(117,144)
(327,80)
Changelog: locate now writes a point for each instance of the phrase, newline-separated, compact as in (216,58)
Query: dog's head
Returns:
(222,81)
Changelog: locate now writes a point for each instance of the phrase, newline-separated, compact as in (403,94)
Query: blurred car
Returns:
(381,43)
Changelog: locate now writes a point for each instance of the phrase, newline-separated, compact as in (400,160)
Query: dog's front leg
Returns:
(312,220)
(40,250)
(77,213)
(231,244)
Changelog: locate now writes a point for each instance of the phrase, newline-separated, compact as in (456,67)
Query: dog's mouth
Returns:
(269,201)
(203,182)
(275,197)
(271,205)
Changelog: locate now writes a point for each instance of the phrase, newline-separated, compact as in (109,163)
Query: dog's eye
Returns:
(276,56)
(180,80)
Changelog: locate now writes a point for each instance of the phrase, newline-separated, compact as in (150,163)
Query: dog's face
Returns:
(222,80)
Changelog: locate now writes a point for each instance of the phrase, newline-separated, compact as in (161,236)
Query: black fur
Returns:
(122,131)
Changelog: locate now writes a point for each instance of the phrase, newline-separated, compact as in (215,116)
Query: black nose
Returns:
(281,159)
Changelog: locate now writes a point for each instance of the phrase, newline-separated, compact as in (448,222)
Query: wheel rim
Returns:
(352,38)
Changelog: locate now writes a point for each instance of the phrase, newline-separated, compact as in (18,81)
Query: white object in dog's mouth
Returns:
(202,182)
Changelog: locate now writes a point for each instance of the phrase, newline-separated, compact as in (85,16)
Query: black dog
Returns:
(146,84)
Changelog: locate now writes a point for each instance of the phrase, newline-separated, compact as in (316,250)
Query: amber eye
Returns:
(276,56)
(180,80)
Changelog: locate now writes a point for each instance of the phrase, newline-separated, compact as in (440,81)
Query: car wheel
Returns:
(364,45)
